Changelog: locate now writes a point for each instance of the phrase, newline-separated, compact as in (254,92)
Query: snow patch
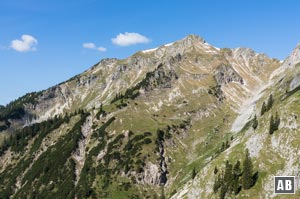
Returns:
(149,50)
(170,44)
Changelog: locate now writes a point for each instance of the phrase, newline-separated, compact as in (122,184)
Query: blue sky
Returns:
(63,38)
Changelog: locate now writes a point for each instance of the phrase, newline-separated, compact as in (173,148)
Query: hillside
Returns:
(155,124)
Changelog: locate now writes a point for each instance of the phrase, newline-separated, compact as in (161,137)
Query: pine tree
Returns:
(217,183)
(236,185)
(237,169)
(194,173)
(270,102)
(216,170)
(101,108)
(254,122)
(227,145)
(263,108)
(247,180)
(236,173)
(223,191)
(223,146)
(227,182)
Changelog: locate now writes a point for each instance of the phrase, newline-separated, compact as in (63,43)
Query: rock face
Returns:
(226,74)
(164,117)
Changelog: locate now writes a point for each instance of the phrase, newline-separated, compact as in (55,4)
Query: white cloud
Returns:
(129,38)
(93,46)
(26,43)
(102,49)
(89,45)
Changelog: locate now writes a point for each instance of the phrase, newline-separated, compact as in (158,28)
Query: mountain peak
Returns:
(191,40)
(179,45)
(294,57)
(194,38)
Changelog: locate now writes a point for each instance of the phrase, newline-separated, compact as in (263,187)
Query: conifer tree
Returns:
(254,122)
(263,108)
(247,180)
(216,170)
(274,123)
(237,169)
(227,145)
(223,146)
(101,108)
(217,183)
(236,185)
(223,191)
(194,173)
(228,173)
(236,173)
(270,102)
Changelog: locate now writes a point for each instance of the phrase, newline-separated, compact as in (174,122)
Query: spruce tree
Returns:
(228,173)
(101,108)
(263,108)
(236,173)
(223,147)
(254,122)
(216,170)
(276,122)
(247,180)
(223,191)
(237,169)
(236,185)
(227,145)
(217,184)
(270,102)
(194,173)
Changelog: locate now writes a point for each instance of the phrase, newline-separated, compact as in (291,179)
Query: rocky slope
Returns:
(139,127)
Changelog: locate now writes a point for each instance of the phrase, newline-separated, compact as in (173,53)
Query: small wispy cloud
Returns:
(129,38)
(93,46)
(25,44)
(102,49)
(89,45)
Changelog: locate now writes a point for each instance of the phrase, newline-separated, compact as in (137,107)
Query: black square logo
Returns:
(284,184)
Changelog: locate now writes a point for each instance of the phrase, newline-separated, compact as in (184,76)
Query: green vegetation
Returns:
(194,173)
(123,155)
(43,171)
(274,123)
(15,109)
(254,122)
(100,112)
(247,180)
(19,140)
(154,79)
(217,92)
(233,179)
(266,107)
(46,172)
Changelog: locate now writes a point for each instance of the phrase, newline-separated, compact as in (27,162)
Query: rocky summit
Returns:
(184,120)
